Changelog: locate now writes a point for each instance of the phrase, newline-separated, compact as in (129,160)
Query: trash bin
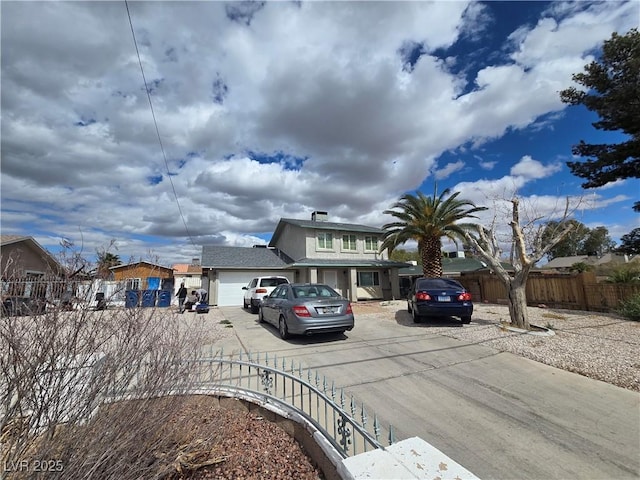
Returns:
(131,298)
(101,302)
(17,306)
(149,298)
(164,298)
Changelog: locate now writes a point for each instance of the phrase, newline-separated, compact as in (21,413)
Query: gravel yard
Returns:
(599,346)
(235,444)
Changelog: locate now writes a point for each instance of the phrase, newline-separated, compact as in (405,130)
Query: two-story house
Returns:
(343,255)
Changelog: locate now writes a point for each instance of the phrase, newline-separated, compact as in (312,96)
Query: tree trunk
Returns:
(518,304)
(431,254)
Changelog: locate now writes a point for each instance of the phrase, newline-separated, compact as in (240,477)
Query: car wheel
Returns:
(415,316)
(244,304)
(254,308)
(260,317)
(466,319)
(282,327)
(409,307)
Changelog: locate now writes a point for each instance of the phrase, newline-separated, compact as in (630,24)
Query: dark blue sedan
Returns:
(439,297)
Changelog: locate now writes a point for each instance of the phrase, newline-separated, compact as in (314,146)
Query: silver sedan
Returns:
(305,309)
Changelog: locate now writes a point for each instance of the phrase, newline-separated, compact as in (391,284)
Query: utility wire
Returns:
(166,163)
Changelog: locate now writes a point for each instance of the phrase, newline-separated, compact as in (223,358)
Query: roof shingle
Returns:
(217,256)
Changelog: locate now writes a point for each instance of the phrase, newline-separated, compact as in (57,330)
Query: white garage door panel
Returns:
(230,284)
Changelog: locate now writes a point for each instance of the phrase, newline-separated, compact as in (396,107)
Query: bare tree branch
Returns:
(63,371)
(487,247)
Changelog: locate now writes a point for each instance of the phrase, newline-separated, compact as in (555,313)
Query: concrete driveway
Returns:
(499,415)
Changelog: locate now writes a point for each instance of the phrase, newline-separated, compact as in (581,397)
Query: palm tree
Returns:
(106,260)
(426,220)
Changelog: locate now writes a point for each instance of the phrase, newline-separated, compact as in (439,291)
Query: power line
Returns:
(164,156)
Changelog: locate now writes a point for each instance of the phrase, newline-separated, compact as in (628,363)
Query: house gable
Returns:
(140,273)
(22,255)
(309,239)
(565,263)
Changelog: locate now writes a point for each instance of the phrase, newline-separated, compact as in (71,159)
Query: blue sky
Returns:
(277,109)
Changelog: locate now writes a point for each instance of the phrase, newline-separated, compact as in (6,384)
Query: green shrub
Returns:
(582,267)
(631,308)
(624,274)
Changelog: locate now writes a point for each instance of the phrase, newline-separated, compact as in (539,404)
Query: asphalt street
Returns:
(499,415)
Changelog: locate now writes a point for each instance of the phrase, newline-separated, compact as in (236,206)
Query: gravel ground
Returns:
(240,445)
(599,346)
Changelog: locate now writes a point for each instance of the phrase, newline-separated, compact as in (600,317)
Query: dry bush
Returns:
(59,367)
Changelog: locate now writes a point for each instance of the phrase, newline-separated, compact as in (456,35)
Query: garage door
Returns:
(230,284)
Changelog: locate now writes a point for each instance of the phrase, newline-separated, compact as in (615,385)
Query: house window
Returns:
(371,244)
(368,279)
(348,242)
(133,284)
(325,241)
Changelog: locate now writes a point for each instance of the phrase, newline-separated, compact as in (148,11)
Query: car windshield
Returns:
(438,283)
(313,291)
(272,282)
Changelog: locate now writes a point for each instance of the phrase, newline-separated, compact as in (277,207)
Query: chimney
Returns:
(319,216)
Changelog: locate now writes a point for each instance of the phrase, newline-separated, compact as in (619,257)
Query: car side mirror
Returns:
(244,288)
(265,297)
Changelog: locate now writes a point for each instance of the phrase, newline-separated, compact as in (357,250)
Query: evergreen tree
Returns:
(612,90)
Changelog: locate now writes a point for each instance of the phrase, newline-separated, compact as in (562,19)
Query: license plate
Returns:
(328,309)
(444,299)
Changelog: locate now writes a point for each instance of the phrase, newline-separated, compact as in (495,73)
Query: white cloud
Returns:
(529,168)
(488,165)
(318,81)
(448,169)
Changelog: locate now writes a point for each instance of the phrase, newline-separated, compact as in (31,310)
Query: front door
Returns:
(330,277)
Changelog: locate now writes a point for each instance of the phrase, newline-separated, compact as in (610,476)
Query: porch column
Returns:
(213,288)
(352,286)
(394,278)
(313,275)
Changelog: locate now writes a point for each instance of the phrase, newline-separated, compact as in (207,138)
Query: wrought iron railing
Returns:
(345,423)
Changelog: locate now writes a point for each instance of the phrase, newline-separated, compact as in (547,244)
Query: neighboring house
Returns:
(453,266)
(29,272)
(23,257)
(342,255)
(144,276)
(188,273)
(565,263)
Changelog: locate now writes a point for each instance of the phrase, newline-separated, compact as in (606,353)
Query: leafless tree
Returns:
(527,249)
(79,388)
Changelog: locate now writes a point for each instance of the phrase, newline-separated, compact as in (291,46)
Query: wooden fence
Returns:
(578,291)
